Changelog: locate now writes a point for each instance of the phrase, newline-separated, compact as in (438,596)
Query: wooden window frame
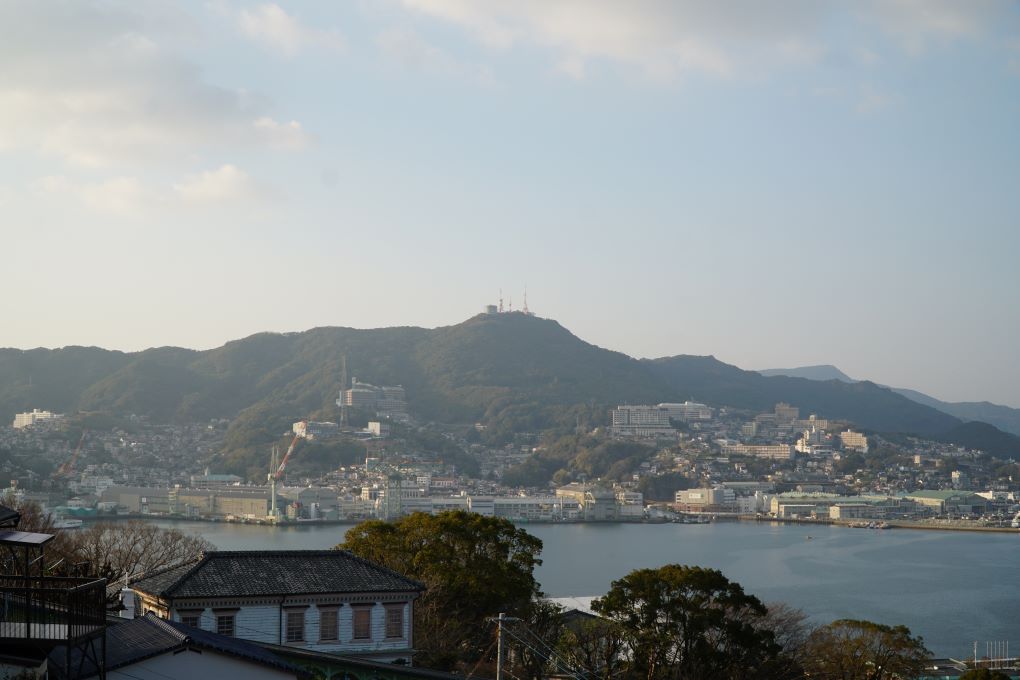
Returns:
(363,611)
(397,609)
(331,634)
(288,628)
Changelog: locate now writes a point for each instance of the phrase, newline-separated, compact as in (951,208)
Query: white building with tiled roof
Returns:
(320,600)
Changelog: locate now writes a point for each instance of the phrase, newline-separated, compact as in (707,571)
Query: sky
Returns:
(774,183)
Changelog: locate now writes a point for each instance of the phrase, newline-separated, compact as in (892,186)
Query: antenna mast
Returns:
(500,300)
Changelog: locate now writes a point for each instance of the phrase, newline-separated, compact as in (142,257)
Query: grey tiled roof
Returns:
(273,572)
(149,636)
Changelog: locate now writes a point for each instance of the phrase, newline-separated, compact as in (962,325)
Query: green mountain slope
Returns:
(1003,417)
(985,437)
(512,371)
(864,403)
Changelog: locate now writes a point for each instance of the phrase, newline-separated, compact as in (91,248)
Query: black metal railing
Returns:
(51,607)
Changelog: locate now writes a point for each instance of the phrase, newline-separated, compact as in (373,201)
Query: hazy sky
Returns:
(774,183)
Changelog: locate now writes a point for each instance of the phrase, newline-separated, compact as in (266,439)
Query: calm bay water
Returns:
(951,587)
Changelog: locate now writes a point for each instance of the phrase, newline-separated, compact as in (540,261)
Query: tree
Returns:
(595,646)
(124,549)
(862,650)
(530,642)
(474,567)
(689,623)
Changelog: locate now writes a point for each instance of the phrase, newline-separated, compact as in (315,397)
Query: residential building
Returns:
(388,402)
(30,418)
(786,413)
(641,421)
(311,430)
(378,429)
(854,441)
(776,451)
(689,411)
(319,600)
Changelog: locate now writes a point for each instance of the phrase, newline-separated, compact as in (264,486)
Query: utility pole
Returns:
(499,645)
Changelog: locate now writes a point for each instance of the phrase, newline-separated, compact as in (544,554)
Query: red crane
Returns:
(68,467)
(286,457)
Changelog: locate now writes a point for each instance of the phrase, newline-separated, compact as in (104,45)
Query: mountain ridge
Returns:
(512,371)
(1003,417)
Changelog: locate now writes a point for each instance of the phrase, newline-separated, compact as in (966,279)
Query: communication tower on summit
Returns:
(500,300)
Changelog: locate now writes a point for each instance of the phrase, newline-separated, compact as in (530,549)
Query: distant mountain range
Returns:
(512,371)
(1002,417)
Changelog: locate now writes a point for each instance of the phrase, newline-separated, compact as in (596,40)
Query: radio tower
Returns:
(525,310)
(500,300)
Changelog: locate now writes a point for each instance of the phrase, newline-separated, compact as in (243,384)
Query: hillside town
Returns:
(667,462)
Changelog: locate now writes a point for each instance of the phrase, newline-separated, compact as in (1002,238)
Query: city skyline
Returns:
(791,185)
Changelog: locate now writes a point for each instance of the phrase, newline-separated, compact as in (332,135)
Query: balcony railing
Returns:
(53,609)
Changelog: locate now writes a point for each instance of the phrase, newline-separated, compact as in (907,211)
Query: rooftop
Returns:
(149,636)
(282,572)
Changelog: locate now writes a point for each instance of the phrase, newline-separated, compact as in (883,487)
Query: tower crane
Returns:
(276,473)
(68,467)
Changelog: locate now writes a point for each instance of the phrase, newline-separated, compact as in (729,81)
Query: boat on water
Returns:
(66,524)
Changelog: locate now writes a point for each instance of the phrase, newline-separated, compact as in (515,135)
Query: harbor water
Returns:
(951,587)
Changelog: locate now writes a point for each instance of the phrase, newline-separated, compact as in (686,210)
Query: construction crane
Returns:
(68,467)
(276,473)
(392,506)
(286,456)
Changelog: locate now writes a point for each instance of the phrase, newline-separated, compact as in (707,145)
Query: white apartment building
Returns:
(30,418)
(775,451)
(688,411)
(854,441)
(640,421)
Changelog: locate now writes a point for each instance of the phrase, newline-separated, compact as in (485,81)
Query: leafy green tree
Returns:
(473,567)
(689,623)
(862,650)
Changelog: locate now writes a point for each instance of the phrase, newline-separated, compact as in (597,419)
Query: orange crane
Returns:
(68,467)
(286,456)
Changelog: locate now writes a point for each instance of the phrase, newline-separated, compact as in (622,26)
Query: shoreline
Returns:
(892,524)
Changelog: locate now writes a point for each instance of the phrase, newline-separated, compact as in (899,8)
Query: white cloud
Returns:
(916,23)
(128,196)
(663,38)
(101,85)
(289,136)
(271,26)
(123,196)
(409,49)
(226,183)
(668,38)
